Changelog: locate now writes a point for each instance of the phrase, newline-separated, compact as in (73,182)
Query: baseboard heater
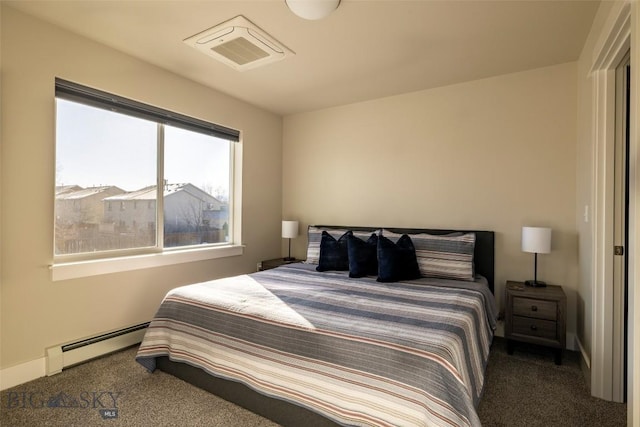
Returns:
(69,354)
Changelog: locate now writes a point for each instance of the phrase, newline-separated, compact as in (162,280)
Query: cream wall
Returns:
(494,154)
(37,313)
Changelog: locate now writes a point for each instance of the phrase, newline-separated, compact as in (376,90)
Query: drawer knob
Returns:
(534,328)
(534,308)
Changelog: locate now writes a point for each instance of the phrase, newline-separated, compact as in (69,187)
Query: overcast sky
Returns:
(98,147)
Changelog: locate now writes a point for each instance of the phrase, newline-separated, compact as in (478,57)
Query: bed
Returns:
(321,348)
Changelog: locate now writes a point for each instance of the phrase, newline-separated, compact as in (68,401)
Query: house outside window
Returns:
(113,150)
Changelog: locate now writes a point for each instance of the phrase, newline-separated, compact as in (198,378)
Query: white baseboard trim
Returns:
(64,355)
(585,364)
(571,342)
(585,356)
(20,374)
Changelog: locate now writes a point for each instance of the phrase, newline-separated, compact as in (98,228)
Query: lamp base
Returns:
(288,258)
(535,283)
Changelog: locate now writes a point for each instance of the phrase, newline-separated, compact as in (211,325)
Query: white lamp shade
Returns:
(289,229)
(536,240)
(312,9)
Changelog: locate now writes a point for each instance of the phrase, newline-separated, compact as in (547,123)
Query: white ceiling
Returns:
(364,50)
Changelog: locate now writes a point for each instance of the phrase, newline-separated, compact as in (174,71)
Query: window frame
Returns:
(69,266)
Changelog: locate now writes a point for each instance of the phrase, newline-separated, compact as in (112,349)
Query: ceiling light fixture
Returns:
(312,9)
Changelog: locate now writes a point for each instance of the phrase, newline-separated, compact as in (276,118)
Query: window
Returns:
(114,150)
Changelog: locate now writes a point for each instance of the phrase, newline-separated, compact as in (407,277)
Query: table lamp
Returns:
(289,231)
(538,241)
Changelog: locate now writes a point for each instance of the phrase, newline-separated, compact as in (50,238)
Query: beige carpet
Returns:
(142,399)
(525,389)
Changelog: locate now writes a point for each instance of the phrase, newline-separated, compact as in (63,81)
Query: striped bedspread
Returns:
(356,351)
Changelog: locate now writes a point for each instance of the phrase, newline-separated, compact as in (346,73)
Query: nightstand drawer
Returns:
(535,315)
(539,309)
(534,327)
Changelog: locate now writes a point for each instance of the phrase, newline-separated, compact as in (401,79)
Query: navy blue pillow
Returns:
(397,261)
(363,257)
(333,253)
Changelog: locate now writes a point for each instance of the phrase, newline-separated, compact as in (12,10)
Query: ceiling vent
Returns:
(240,44)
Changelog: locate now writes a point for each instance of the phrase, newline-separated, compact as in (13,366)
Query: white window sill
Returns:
(75,270)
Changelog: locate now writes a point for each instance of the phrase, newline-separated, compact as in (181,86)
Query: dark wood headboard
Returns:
(483,255)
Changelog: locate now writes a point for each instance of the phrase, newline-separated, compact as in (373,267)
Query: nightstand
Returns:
(273,263)
(536,316)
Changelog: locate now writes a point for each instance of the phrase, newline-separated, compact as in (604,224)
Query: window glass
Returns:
(196,189)
(102,159)
(109,160)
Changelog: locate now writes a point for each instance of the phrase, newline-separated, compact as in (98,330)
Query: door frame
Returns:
(609,52)
(620,228)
